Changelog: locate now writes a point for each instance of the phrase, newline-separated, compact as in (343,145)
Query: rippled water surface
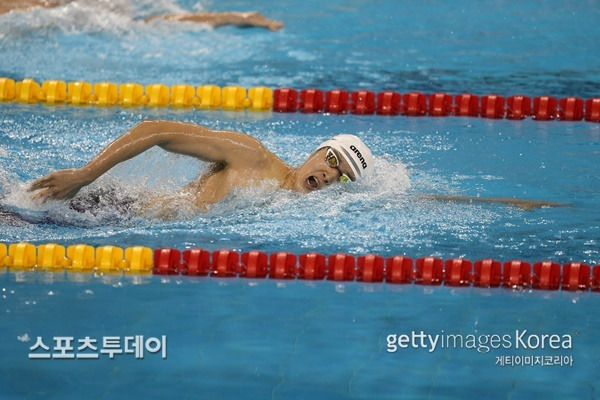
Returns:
(272,339)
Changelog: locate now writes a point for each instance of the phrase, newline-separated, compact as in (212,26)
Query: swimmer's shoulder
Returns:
(248,150)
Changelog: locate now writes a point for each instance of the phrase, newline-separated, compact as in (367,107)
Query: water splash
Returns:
(108,200)
(89,16)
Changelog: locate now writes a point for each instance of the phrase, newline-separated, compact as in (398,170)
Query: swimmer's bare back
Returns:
(215,19)
(527,205)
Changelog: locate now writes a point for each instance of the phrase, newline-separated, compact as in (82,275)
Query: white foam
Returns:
(85,16)
(302,55)
(384,188)
(24,338)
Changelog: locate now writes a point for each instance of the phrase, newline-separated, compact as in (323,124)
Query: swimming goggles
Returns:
(332,160)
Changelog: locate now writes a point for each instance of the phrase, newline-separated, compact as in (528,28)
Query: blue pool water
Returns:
(272,339)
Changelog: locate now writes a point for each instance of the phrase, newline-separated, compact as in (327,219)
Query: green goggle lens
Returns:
(332,160)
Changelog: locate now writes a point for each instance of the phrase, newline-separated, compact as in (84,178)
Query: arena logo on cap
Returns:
(360,157)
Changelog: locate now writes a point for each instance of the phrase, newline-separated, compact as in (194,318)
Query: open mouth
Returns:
(312,182)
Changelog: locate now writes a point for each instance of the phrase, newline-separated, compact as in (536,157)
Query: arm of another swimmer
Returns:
(215,19)
(188,139)
(523,204)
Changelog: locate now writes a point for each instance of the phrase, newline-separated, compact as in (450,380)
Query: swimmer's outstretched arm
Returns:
(523,204)
(224,148)
(26,5)
(252,18)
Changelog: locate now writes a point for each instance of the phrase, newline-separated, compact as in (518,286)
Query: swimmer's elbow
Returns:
(147,128)
(146,124)
(163,133)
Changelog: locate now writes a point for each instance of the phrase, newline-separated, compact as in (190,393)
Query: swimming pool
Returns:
(293,339)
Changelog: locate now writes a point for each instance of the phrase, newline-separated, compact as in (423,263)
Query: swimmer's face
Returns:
(317,172)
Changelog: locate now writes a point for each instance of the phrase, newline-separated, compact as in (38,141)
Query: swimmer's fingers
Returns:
(51,193)
(50,190)
(60,184)
(275,26)
(40,183)
(47,181)
(42,196)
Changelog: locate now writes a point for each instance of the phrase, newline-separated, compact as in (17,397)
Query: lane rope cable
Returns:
(336,101)
(341,267)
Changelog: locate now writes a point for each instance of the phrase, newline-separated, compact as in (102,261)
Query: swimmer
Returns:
(236,160)
(214,19)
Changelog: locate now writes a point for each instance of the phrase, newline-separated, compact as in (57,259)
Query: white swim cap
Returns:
(354,151)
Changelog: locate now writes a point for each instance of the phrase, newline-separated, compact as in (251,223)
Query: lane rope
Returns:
(140,260)
(337,101)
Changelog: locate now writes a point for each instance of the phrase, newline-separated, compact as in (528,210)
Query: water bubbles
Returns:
(86,294)
(24,338)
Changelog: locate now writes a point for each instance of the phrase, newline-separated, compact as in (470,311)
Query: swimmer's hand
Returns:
(59,185)
(251,18)
(257,19)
